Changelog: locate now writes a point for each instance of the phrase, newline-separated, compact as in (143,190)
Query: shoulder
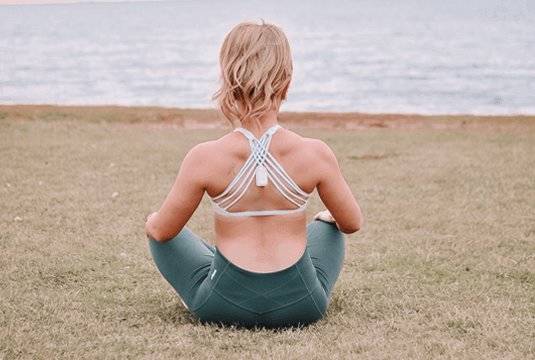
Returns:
(198,160)
(208,157)
(319,149)
(314,158)
(314,155)
(310,151)
(200,152)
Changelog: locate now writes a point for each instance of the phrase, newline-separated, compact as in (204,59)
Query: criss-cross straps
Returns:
(262,167)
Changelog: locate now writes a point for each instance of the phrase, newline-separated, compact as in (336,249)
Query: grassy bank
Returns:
(444,267)
(210,118)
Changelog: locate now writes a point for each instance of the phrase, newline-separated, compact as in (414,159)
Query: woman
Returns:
(268,267)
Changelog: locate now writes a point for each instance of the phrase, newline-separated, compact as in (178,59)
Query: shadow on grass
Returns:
(176,314)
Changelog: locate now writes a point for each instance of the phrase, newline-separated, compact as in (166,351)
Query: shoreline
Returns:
(193,118)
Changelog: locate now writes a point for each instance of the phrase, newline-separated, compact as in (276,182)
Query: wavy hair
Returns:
(256,70)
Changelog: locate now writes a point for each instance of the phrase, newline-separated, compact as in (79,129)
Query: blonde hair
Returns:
(256,70)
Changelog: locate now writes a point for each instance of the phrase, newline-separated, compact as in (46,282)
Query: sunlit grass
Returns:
(443,268)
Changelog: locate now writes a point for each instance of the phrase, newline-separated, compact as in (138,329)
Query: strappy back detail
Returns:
(262,167)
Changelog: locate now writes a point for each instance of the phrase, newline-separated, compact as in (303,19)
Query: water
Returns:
(429,57)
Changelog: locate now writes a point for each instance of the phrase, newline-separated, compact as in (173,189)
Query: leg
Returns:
(184,261)
(326,245)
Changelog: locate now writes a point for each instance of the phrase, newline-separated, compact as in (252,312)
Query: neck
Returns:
(260,126)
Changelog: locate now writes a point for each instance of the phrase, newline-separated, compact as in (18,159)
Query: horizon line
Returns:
(68,2)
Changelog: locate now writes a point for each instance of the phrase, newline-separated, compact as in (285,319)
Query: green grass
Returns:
(443,268)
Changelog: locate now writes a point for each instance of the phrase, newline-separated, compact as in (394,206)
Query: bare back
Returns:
(258,243)
(262,243)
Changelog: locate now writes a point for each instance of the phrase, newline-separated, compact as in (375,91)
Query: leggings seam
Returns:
(262,312)
(211,289)
(267,292)
(288,304)
(309,292)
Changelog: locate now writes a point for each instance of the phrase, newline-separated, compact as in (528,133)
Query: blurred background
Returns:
(380,56)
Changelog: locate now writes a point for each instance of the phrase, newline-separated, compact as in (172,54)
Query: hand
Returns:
(149,215)
(326,216)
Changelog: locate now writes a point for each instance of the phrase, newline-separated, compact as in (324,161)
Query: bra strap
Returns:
(249,135)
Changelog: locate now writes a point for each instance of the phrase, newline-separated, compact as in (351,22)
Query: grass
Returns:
(444,267)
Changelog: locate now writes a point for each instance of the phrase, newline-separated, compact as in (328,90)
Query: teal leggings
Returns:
(217,291)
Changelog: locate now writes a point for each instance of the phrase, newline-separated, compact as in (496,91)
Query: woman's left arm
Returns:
(184,197)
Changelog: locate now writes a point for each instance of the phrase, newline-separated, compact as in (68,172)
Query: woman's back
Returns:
(211,166)
(261,243)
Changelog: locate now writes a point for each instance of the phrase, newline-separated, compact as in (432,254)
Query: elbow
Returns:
(352,227)
(153,230)
(349,229)
(159,232)
(155,233)
(161,236)
(157,237)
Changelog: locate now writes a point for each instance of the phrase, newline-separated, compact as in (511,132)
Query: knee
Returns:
(325,228)
(323,224)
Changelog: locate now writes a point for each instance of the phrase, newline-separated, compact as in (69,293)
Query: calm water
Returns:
(373,56)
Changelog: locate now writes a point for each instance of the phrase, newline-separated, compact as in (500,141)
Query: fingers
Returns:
(146,216)
(325,216)
(318,215)
(149,215)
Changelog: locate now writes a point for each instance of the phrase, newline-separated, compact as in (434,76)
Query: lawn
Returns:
(443,268)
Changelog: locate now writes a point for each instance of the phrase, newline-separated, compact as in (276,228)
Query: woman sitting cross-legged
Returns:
(268,267)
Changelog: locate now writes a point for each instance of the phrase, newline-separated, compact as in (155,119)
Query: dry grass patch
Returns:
(444,268)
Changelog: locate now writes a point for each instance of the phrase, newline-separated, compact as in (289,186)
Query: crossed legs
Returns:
(185,260)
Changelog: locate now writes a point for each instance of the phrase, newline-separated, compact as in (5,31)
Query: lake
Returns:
(429,57)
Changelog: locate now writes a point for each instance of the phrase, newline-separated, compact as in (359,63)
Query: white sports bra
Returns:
(262,167)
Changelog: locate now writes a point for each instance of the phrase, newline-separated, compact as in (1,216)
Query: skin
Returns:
(264,243)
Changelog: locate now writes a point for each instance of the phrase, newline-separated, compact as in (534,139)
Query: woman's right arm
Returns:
(334,191)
